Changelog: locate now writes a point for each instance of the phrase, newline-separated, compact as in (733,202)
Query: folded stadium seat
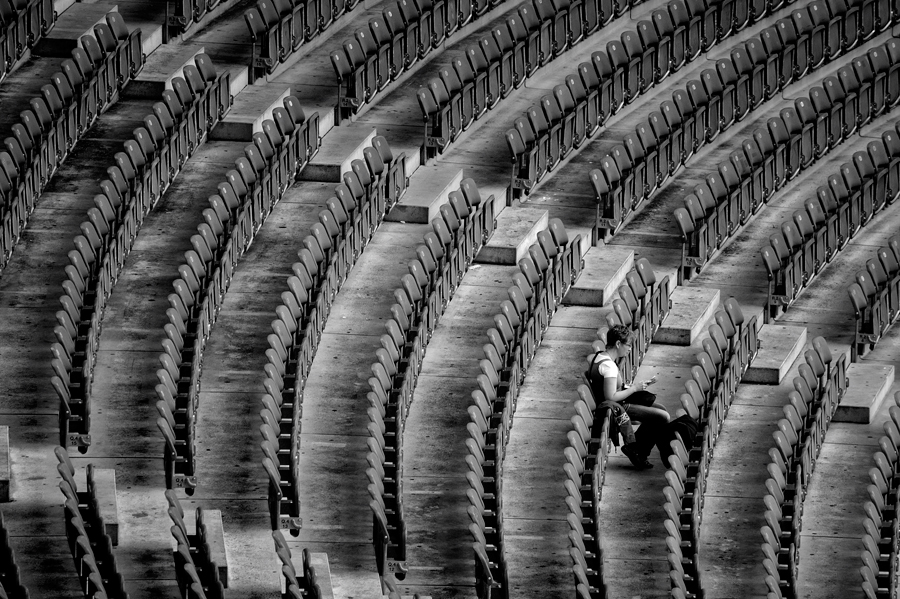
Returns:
(707,110)
(606,72)
(514,39)
(844,25)
(658,51)
(562,124)
(512,54)
(859,180)
(675,147)
(16,33)
(661,147)
(786,147)
(844,197)
(488,76)
(645,163)
(375,60)
(418,28)
(625,68)
(734,87)
(754,74)
(53,130)
(598,94)
(842,109)
(800,138)
(353,69)
(71,89)
(715,213)
(500,67)
(573,97)
(692,126)
(812,231)
(404,43)
(641,59)
(671,48)
(390,50)
(885,172)
(704,17)
(686,34)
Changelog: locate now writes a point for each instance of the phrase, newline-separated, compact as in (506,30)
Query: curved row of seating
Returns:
(588,449)
(329,253)
(139,177)
(234,216)
(881,543)
(89,542)
(22,24)
(278,28)
(721,205)
(10,580)
(727,353)
(545,276)
(465,224)
(406,31)
(196,567)
(69,104)
(642,58)
(295,586)
(814,236)
(875,297)
(817,391)
(754,72)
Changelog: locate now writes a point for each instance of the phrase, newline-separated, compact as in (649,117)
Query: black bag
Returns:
(684,427)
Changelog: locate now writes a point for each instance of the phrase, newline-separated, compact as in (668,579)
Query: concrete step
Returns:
(869,385)
(604,270)
(161,68)
(779,346)
(107,501)
(319,563)
(215,537)
(339,148)
(427,192)
(692,309)
(516,230)
(251,107)
(77,21)
(4,464)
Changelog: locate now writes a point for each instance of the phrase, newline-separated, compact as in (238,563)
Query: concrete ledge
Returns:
(251,107)
(779,347)
(215,537)
(692,308)
(107,502)
(319,563)
(160,69)
(78,20)
(604,270)
(516,231)
(339,148)
(4,464)
(426,193)
(869,385)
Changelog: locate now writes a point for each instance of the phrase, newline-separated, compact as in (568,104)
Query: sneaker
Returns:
(638,461)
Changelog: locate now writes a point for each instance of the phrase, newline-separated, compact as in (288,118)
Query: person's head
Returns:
(619,339)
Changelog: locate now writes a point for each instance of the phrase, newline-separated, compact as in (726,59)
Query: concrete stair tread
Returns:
(78,20)
(692,309)
(604,270)
(516,230)
(869,385)
(779,346)
(339,148)
(161,68)
(427,192)
(248,111)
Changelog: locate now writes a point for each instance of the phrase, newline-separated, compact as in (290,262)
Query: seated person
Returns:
(639,404)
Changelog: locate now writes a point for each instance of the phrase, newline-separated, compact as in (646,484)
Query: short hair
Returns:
(617,332)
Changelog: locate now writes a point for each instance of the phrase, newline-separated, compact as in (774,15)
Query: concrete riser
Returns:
(869,385)
(692,310)
(779,347)
(514,233)
(604,270)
